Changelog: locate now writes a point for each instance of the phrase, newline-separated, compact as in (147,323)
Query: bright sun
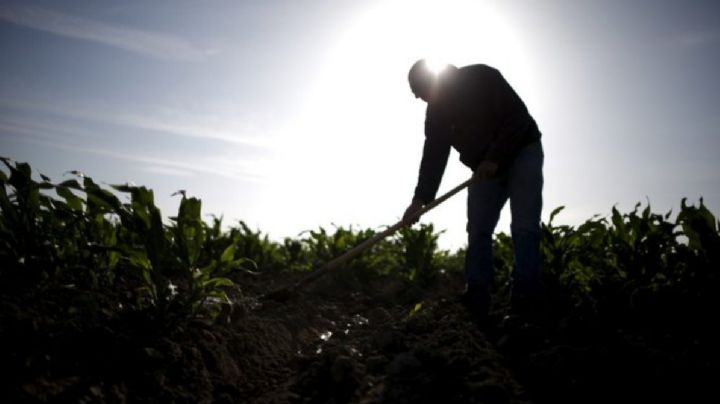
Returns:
(360,128)
(388,38)
(366,71)
(435,65)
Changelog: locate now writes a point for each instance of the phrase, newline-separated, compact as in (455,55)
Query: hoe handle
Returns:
(355,251)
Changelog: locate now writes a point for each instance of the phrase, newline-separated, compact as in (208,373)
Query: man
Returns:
(476,111)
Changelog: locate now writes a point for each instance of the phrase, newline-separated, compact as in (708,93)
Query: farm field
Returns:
(105,299)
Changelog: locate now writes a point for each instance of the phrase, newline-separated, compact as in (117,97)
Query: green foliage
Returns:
(411,253)
(420,257)
(637,262)
(112,242)
(77,235)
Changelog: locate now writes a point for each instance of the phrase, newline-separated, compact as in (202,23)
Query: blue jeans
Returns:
(522,183)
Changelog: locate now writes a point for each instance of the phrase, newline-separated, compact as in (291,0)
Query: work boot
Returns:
(477,302)
(527,311)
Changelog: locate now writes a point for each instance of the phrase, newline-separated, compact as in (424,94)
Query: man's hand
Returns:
(414,207)
(485,170)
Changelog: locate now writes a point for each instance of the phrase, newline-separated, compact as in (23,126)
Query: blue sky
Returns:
(292,115)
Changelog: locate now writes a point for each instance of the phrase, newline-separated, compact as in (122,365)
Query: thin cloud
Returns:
(173,172)
(37,134)
(186,129)
(179,123)
(148,43)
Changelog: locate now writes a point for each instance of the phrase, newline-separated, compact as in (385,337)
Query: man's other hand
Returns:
(414,207)
(486,169)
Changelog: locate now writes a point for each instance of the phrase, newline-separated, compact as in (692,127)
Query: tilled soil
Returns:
(342,340)
(387,342)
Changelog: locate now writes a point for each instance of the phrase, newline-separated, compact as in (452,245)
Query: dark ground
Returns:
(342,340)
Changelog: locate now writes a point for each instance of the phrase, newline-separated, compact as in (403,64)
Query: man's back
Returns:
(480,114)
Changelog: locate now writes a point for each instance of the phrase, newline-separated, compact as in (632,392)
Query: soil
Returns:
(341,340)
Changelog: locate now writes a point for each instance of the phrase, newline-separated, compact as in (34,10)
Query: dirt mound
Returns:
(379,340)
(332,344)
(436,354)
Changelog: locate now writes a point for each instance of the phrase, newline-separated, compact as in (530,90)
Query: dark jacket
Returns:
(479,114)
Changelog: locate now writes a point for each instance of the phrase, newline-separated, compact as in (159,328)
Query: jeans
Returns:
(522,183)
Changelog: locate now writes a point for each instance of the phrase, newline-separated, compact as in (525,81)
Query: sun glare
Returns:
(383,43)
(360,109)
(365,73)
(435,65)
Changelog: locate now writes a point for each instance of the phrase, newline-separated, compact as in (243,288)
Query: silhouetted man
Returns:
(476,111)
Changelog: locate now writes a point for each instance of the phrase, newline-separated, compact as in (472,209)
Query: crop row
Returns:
(113,244)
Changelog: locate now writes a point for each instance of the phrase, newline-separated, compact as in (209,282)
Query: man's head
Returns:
(422,80)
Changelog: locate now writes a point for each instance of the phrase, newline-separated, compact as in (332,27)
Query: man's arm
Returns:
(434,159)
(432,167)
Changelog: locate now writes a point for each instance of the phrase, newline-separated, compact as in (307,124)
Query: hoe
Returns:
(288,292)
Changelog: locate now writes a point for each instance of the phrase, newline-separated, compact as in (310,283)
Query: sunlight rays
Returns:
(361,127)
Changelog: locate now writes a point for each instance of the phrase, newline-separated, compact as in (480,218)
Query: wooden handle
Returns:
(355,251)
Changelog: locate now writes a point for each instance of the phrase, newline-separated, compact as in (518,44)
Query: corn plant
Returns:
(79,235)
(113,243)
(420,256)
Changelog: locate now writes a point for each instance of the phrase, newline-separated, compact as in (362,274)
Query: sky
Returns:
(291,115)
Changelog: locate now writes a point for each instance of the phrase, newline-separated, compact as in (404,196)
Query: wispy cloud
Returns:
(148,43)
(251,171)
(204,130)
(163,170)
(175,123)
